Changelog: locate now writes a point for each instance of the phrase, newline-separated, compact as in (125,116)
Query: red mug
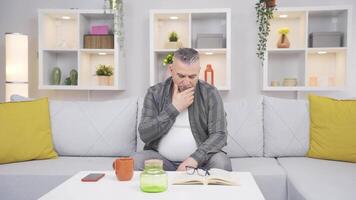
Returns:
(124,168)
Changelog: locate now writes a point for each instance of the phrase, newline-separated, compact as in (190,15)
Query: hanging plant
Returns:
(116,7)
(264,11)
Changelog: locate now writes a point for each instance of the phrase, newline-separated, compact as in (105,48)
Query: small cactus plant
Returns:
(173,37)
(73,77)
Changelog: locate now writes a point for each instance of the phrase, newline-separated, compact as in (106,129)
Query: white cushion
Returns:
(286,127)
(106,128)
(310,178)
(245,128)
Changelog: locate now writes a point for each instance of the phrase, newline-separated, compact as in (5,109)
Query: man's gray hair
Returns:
(187,55)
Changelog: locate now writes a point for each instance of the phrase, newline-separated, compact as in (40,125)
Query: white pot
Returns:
(173,45)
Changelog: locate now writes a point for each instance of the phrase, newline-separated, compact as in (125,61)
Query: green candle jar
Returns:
(153,178)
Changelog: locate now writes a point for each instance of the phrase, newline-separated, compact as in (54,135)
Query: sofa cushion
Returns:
(245,128)
(269,175)
(244,125)
(333,129)
(314,179)
(25,131)
(104,128)
(286,127)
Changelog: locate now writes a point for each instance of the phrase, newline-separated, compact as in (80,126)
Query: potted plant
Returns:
(104,74)
(264,11)
(168,60)
(283,41)
(173,41)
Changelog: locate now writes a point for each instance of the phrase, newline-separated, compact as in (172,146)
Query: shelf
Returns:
(329,21)
(286,64)
(87,20)
(287,50)
(165,23)
(218,62)
(326,69)
(58,30)
(208,23)
(65,60)
(295,21)
(89,61)
(191,23)
(280,88)
(318,68)
(74,56)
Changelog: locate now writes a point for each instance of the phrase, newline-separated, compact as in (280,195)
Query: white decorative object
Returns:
(16,52)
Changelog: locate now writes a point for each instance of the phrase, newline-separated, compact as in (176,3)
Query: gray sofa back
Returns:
(262,126)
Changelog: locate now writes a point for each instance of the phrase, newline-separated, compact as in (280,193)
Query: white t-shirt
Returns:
(178,144)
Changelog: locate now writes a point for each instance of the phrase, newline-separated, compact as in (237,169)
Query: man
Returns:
(183,120)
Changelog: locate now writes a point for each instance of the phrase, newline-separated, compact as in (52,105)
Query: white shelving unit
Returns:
(61,44)
(188,23)
(315,68)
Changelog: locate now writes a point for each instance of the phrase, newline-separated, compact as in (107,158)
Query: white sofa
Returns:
(267,137)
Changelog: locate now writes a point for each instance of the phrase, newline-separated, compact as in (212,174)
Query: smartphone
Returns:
(93,177)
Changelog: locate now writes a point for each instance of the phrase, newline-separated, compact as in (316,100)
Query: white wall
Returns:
(21,16)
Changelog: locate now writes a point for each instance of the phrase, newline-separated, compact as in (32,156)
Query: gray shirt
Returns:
(207,118)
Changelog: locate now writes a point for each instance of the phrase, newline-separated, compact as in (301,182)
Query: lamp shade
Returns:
(16,55)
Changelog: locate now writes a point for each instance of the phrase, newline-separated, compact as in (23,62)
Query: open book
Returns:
(216,177)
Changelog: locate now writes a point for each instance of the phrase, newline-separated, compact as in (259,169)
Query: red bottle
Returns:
(209,74)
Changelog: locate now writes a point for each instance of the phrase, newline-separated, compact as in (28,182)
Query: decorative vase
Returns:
(270,3)
(105,80)
(283,42)
(209,74)
(56,76)
(73,77)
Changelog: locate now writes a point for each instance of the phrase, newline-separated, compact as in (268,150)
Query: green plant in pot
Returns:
(173,42)
(104,74)
(173,37)
(264,11)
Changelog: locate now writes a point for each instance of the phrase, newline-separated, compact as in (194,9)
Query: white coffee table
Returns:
(109,188)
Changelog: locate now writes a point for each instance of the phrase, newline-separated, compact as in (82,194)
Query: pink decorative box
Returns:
(99,30)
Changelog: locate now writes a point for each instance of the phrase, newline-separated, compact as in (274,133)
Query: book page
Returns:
(220,177)
(186,179)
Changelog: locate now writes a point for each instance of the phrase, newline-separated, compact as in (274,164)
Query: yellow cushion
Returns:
(25,131)
(332,129)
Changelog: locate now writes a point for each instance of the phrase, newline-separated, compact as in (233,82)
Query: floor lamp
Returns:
(16,55)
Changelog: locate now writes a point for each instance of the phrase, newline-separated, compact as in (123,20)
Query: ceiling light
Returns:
(283,16)
(322,52)
(65,17)
(173,17)
(102,53)
(209,53)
